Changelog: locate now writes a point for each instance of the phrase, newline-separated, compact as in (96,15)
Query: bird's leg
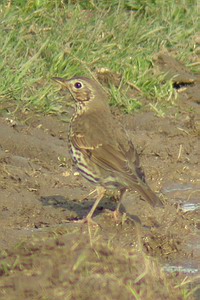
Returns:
(88,219)
(100,193)
(116,212)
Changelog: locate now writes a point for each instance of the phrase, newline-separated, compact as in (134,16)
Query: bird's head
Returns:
(85,91)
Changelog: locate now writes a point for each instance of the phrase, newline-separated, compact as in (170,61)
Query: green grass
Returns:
(42,39)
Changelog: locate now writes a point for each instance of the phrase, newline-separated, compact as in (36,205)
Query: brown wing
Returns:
(108,148)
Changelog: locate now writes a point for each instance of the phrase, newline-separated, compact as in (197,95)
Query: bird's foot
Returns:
(116,215)
(120,218)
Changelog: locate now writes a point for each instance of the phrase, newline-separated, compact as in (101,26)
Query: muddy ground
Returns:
(45,255)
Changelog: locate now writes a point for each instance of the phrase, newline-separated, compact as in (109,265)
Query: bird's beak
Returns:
(62,81)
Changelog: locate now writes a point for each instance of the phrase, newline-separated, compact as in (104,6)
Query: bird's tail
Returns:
(149,195)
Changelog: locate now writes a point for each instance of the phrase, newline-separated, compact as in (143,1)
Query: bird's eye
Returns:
(78,85)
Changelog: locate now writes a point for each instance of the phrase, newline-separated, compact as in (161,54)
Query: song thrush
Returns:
(100,148)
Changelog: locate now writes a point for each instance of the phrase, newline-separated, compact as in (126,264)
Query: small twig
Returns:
(134,86)
(180,151)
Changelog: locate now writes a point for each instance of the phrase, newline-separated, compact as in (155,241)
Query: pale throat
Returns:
(80,108)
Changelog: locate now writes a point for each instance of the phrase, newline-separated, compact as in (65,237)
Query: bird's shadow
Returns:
(79,209)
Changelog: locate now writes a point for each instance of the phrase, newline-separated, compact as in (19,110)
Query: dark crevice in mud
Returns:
(179,85)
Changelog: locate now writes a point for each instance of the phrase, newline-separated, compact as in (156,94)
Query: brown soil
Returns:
(45,255)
